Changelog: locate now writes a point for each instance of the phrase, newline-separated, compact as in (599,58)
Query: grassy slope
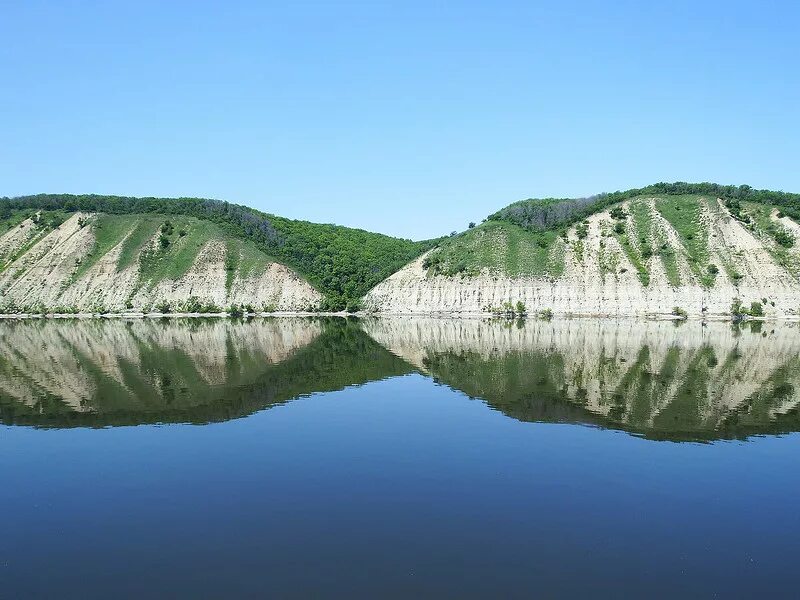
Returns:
(499,247)
(685,214)
(504,247)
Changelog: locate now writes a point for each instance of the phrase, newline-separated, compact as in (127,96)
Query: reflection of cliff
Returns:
(651,378)
(684,382)
(116,372)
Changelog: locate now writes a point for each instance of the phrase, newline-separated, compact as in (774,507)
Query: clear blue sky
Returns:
(409,118)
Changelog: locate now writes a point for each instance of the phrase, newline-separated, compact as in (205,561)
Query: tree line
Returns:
(550,213)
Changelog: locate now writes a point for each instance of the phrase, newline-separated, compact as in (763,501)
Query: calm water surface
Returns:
(397,458)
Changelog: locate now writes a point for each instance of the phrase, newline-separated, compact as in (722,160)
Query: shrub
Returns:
(433,260)
(163,307)
(756,309)
(783,237)
(736,309)
(619,227)
(680,313)
(235,310)
(545,314)
(618,213)
(520,308)
(193,305)
(713,269)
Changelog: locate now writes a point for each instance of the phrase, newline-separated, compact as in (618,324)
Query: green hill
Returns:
(530,238)
(668,243)
(341,262)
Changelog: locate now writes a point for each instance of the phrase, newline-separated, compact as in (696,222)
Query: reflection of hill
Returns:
(652,378)
(98,373)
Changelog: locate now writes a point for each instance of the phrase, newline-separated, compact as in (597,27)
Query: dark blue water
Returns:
(396,487)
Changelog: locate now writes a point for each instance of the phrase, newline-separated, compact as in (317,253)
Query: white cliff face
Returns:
(599,278)
(47,274)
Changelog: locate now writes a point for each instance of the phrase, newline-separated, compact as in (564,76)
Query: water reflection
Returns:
(688,382)
(691,382)
(113,372)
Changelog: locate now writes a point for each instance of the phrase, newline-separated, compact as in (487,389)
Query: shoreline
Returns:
(431,315)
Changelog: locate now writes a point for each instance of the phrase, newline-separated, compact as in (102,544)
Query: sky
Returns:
(408,118)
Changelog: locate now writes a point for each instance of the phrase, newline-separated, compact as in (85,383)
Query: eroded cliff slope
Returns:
(112,263)
(647,255)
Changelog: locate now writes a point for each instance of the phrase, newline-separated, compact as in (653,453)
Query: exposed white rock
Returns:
(47,275)
(599,280)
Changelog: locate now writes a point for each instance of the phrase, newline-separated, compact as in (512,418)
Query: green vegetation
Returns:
(551,213)
(652,240)
(685,214)
(739,312)
(500,248)
(144,230)
(509,310)
(109,230)
(637,253)
(174,255)
(778,240)
(529,238)
(680,313)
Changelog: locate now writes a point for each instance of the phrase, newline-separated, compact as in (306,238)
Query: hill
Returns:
(699,249)
(110,252)
(681,249)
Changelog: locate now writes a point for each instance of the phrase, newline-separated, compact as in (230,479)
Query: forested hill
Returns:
(342,262)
